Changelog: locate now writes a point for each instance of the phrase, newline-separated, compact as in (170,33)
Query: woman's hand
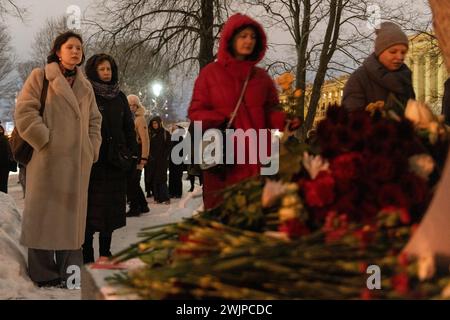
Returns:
(294,124)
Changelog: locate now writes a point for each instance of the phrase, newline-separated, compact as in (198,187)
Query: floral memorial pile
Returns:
(331,225)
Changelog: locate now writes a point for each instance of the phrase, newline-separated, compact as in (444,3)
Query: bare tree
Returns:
(44,39)
(327,37)
(9,7)
(138,69)
(7,84)
(24,69)
(441,23)
(183,31)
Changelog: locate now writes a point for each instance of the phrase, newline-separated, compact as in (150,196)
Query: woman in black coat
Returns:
(160,146)
(175,170)
(6,162)
(107,186)
(383,74)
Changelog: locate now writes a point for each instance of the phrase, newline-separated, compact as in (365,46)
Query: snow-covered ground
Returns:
(14,281)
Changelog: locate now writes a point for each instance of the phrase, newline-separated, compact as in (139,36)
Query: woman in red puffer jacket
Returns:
(217,89)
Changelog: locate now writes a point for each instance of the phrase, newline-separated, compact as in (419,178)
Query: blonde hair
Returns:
(136,98)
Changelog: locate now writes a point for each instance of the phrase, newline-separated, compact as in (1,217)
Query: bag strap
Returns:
(43,95)
(241,97)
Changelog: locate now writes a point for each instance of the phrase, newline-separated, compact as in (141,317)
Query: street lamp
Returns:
(157,88)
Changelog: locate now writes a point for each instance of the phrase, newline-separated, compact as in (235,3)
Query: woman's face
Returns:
(155,125)
(71,53)
(244,43)
(104,71)
(393,57)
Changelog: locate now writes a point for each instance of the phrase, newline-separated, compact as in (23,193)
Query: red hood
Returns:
(234,22)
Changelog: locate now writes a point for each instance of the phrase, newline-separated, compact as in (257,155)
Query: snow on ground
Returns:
(14,281)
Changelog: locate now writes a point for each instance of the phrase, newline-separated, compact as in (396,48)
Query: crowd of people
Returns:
(90,146)
(93,142)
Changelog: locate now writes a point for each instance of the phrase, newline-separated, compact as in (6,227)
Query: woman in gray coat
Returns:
(66,142)
(383,73)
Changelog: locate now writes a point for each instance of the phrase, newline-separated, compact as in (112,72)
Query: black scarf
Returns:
(398,82)
(106,90)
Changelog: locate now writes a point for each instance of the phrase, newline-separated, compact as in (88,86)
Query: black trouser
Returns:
(4,174)
(135,195)
(49,265)
(175,180)
(147,179)
(160,192)
(104,241)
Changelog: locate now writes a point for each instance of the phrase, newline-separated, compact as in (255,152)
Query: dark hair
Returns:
(258,46)
(57,44)
(2,129)
(93,62)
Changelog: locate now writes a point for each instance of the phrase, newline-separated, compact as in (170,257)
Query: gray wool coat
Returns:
(66,142)
(373,82)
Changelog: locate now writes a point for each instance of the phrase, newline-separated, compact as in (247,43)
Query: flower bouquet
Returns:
(348,201)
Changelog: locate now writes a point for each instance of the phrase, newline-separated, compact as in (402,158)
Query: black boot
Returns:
(134,212)
(88,246)
(105,244)
(88,254)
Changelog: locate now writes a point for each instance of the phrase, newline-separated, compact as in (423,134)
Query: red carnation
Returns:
(346,204)
(187,238)
(320,191)
(403,259)
(403,213)
(392,195)
(381,168)
(369,211)
(360,126)
(366,294)
(295,124)
(346,166)
(400,283)
(365,235)
(294,228)
(335,227)
(362,266)
(383,138)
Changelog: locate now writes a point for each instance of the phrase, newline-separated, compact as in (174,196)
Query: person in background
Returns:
(194,171)
(66,142)
(7,163)
(383,73)
(242,46)
(135,195)
(175,170)
(108,183)
(160,145)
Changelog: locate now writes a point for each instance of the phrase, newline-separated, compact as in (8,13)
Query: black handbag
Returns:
(21,150)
